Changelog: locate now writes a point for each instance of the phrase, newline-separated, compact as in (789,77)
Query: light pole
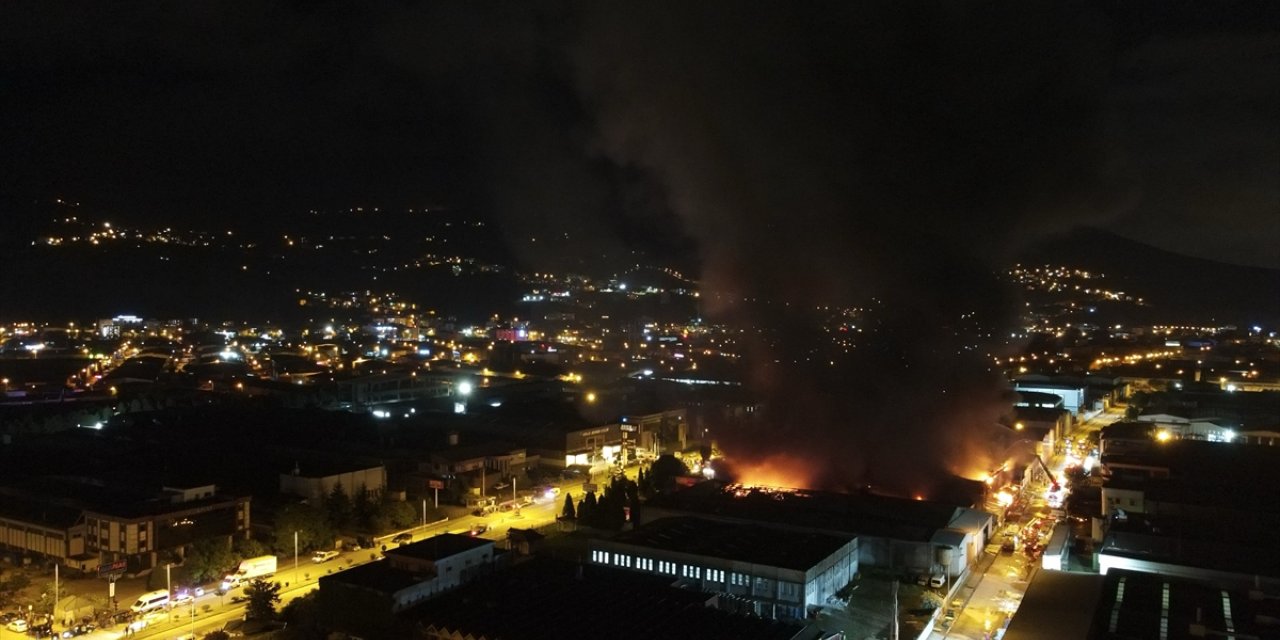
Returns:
(168,583)
(295,556)
(424,513)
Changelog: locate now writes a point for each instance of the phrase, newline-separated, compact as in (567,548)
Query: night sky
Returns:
(1158,120)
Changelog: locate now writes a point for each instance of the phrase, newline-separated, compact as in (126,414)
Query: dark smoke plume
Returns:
(883,157)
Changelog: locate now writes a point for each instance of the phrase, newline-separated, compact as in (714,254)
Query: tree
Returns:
(338,508)
(44,604)
(363,508)
(587,509)
(664,472)
(217,635)
(643,482)
(401,514)
(249,548)
(568,513)
(208,559)
(302,618)
(310,523)
(633,505)
(11,586)
(262,596)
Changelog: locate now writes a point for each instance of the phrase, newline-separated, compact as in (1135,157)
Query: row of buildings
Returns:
(765,559)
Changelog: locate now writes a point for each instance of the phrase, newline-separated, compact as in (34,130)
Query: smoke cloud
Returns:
(853,174)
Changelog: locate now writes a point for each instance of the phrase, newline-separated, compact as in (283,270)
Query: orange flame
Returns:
(779,470)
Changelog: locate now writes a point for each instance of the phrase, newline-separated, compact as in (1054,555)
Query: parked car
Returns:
(17,625)
(403,538)
(78,630)
(937,580)
(324,556)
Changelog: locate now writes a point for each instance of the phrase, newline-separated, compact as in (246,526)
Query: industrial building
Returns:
(363,600)
(910,536)
(83,523)
(762,571)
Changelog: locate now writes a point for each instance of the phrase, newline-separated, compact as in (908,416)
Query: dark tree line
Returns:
(610,510)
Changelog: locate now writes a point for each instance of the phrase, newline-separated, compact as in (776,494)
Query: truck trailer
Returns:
(250,568)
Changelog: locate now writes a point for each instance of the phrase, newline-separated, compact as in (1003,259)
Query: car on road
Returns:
(182,597)
(403,538)
(479,530)
(324,556)
(17,625)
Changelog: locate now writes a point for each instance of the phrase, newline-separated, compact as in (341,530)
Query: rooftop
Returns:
(624,605)
(1057,606)
(89,494)
(1132,605)
(439,547)
(856,513)
(377,576)
(752,543)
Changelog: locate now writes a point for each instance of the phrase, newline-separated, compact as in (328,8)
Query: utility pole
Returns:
(168,581)
(893,627)
(424,513)
(55,590)
(295,556)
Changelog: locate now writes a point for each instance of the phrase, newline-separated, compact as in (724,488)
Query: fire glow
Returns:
(781,471)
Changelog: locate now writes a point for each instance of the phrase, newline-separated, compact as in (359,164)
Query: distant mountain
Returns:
(1177,288)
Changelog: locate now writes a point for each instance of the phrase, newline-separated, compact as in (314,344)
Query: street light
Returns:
(295,556)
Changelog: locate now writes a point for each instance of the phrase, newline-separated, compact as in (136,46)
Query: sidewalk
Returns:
(964,592)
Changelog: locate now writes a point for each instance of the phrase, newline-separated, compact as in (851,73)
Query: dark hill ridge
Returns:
(1178,288)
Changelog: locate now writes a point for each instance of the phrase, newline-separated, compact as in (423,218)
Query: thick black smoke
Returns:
(881,156)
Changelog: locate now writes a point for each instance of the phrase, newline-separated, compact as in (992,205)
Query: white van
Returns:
(150,601)
(324,556)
